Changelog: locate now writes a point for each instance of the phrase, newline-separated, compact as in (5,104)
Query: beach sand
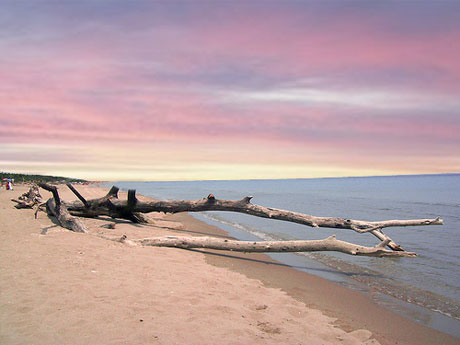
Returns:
(60,287)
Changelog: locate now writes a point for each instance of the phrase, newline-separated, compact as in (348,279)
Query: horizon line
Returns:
(275,179)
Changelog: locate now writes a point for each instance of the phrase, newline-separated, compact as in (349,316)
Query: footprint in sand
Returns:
(267,327)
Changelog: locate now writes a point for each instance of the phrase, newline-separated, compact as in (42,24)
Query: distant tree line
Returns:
(19,178)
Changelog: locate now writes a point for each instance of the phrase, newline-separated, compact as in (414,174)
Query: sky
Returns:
(195,90)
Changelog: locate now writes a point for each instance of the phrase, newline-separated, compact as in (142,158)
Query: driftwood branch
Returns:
(58,209)
(111,206)
(328,244)
(79,196)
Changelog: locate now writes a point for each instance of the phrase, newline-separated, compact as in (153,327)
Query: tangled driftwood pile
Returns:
(30,199)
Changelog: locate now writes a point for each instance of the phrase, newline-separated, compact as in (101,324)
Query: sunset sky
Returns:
(165,90)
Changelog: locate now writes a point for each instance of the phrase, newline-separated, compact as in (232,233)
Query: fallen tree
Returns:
(133,209)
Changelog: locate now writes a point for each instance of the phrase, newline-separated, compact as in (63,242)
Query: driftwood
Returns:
(29,199)
(133,209)
(108,205)
(56,208)
(328,244)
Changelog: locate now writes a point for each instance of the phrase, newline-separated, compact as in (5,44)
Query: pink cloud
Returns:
(167,83)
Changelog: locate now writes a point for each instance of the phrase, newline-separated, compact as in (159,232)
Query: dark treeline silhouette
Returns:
(19,178)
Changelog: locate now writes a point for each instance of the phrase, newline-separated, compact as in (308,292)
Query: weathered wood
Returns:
(111,206)
(328,244)
(108,205)
(58,209)
(133,210)
(79,196)
(29,199)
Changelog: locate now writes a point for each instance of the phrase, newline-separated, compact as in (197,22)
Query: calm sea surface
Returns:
(426,288)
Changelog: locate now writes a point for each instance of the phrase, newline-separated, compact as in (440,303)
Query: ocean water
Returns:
(426,288)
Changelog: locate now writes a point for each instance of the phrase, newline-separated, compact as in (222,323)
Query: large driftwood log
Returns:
(57,208)
(107,206)
(132,209)
(328,244)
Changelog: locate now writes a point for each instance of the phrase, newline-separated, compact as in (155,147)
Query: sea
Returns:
(426,288)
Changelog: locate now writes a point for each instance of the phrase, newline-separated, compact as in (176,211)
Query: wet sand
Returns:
(59,287)
(352,309)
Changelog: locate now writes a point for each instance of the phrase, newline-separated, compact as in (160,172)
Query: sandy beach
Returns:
(60,287)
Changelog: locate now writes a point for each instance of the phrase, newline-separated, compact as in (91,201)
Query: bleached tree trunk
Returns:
(133,210)
(328,244)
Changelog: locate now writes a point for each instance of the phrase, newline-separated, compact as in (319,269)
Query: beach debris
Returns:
(133,209)
(56,208)
(29,199)
(328,244)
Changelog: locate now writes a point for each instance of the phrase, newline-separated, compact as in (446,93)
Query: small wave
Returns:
(388,286)
(257,233)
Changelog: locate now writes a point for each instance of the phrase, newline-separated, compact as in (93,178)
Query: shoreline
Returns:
(278,303)
(353,309)
(423,289)
(420,306)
